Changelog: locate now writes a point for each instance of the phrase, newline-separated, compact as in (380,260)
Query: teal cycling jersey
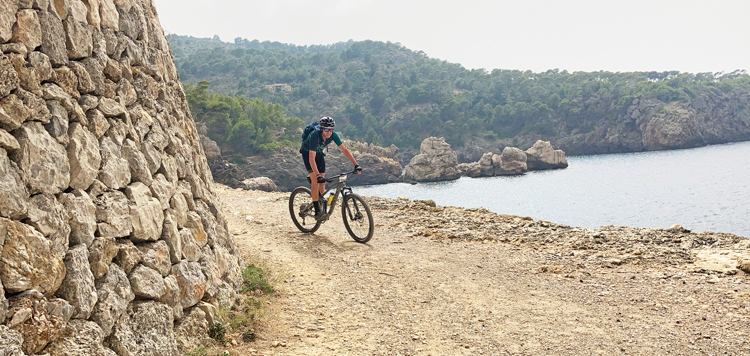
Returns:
(314,141)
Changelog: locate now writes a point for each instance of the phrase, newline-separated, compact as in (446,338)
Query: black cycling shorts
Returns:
(320,161)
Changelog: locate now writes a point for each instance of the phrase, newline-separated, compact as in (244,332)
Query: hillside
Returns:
(384,93)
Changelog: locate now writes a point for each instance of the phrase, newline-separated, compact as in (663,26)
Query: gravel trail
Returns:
(450,281)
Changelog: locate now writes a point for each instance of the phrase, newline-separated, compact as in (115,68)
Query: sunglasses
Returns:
(328,130)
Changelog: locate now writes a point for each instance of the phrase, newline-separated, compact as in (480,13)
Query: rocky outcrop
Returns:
(109,225)
(285,168)
(542,156)
(435,162)
(511,162)
(261,183)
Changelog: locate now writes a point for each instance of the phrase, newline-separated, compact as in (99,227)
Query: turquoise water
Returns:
(702,189)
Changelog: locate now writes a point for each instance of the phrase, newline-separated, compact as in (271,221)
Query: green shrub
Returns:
(218,332)
(254,278)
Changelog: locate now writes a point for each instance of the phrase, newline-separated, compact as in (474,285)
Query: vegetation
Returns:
(386,94)
(255,279)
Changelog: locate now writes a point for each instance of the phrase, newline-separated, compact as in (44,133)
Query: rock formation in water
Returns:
(110,232)
(542,156)
(435,162)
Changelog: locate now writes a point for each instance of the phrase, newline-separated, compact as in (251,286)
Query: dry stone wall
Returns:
(110,232)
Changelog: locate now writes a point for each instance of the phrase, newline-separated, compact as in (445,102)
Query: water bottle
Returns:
(330,199)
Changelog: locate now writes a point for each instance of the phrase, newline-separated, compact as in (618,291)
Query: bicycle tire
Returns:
(356,219)
(301,210)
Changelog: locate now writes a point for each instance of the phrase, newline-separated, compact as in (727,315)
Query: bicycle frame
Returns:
(342,190)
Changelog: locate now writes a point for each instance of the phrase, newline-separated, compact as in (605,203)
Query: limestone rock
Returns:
(43,160)
(60,308)
(147,282)
(101,253)
(171,236)
(435,162)
(27,29)
(27,260)
(113,214)
(82,217)
(511,162)
(145,213)
(195,224)
(50,218)
(13,112)
(84,156)
(192,329)
(146,329)
(81,338)
(543,156)
(128,256)
(260,183)
(78,285)
(192,282)
(8,142)
(114,296)
(163,190)
(36,105)
(59,122)
(42,66)
(137,163)
(180,208)
(156,256)
(78,39)
(8,9)
(190,249)
(29,315)
(8,75)
(11,341)
(115,172)
(13,193)
(53,37)
(172,296)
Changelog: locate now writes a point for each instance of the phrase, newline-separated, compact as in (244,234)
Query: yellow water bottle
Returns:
(330,199)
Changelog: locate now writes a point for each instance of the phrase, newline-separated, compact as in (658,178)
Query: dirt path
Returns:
(407,292)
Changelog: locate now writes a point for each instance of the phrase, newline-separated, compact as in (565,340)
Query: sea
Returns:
(702,189)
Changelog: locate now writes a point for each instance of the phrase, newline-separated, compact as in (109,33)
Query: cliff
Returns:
(112,239)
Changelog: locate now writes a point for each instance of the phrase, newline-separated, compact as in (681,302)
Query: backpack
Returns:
(309,128)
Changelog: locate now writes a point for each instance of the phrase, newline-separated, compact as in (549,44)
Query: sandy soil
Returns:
(449,281)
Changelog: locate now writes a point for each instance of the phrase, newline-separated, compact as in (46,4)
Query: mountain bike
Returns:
(354,209)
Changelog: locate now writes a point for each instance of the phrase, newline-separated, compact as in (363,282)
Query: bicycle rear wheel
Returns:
(357,218)
(302,211)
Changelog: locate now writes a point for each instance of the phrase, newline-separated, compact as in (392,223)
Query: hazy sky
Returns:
(576,35)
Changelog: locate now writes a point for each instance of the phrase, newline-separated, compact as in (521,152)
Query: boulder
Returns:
(80,338)
(511,162)
(260,183)
(542,156)
(29,315)
(82,212)
(145,329)
(8,75)
(482,168)
(50,218)
(42,160)
(191,281)
(179,207)
(128,256)
(78,39)
(156,256)
(172,296)
(147,282)
(13,193)
(435,162)
(115,171)
(8,9)
(171,236)
(113,214)
(163,190)
(101,253)
(114,296)
(78,285)
(137,163)
(145,213)
(11,341)
(27,260)
(53,37)
(27,29)
(84,156)
(190,249)
(13,112)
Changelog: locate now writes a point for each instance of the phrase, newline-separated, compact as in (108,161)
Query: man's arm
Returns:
(348,154)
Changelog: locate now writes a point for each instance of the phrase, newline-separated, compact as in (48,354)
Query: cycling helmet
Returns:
(327,121)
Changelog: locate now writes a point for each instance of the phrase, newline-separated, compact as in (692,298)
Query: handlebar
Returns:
(338,177)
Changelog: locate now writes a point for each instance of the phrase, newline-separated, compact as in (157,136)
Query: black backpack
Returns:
(309,128)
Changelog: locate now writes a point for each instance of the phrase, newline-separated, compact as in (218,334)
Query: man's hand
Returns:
(358,169)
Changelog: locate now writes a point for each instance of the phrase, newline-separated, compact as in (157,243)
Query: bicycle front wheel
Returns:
(302,210)
(357,218)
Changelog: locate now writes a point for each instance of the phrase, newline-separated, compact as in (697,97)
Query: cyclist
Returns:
(314,158)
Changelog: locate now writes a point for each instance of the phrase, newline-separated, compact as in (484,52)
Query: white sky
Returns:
(576,35)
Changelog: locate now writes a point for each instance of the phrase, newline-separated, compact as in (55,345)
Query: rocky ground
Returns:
(451,281)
